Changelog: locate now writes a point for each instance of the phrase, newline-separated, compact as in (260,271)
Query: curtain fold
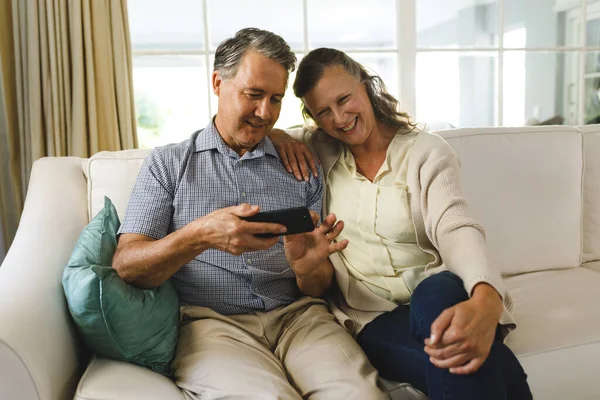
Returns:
(11,187)
(66,87)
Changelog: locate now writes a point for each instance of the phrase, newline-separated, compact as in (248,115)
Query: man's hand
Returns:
(462,336)
(295,156)
(308,254)
(224,230)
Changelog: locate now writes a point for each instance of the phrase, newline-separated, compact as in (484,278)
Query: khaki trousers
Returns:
(297,351)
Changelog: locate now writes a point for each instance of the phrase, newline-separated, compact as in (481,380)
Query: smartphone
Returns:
(296,220)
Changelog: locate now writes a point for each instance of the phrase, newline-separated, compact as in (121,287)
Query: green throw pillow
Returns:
(115,319)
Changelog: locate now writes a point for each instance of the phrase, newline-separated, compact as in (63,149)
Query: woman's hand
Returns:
(462,336)
(307,251)
(308,254)
(295,156)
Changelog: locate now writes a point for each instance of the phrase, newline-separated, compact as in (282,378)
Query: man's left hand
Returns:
(295,156)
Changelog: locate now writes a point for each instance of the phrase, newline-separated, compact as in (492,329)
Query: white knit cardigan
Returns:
(442,223)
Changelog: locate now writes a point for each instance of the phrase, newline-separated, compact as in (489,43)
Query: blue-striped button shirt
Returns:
(179,183)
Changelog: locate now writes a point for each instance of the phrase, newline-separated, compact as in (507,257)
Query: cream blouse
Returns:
(382,252)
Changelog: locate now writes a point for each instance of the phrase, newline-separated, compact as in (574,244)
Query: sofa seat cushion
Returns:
(554,310)
(557,338)
(558,334)
(106,379)
(593,266)
(567,373)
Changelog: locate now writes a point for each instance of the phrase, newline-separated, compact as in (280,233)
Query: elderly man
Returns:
(253,324)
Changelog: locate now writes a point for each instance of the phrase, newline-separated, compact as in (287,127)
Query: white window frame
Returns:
(407,50)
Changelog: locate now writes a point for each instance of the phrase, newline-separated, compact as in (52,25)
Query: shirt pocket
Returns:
(393,217)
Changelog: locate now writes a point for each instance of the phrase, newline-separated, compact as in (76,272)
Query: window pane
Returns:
(540,88)
(592,101)
(456,23)
(384,65)
(281,17)
(513,103)
(352,24)
(545,24)
(170,98)
(592,87)
(290,114)
(290,109)
(456,89)
(592,62)
(170,25)
(593,32)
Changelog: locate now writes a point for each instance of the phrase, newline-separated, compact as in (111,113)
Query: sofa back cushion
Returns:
(524,185)
(591,191)
(113,174)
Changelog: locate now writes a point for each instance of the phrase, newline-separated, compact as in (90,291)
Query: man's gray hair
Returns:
(230,52)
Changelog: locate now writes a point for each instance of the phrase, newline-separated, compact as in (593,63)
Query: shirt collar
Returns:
(347,160)
(210,138)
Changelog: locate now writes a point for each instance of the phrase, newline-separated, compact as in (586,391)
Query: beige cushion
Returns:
(525,187)
(106,379)
(565,374)
(593,266)
(113,174)
(591,200)
(554,310)
(558,335)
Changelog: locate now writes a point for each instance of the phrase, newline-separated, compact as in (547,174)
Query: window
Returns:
(514,66)
(518,61)
(452,62)
(170,97)
(174,42)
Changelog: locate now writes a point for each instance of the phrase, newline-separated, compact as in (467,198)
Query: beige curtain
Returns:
(65,87)
(11,185)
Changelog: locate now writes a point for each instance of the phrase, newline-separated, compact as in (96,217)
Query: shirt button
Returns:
(243,194)
(249,261)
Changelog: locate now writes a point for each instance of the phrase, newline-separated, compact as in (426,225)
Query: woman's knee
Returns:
(431,297)
(444,289)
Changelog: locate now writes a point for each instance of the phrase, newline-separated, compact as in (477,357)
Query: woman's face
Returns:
(341,107)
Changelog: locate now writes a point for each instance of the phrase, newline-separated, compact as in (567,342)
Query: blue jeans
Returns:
(394,343)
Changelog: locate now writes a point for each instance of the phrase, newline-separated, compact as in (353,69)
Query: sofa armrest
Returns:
(39,356)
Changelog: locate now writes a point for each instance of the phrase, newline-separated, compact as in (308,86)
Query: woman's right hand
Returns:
(462,335)
(295,156)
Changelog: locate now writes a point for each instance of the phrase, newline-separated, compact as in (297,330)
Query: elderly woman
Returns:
(414,284)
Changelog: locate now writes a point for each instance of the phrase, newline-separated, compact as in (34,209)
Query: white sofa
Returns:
(530,188)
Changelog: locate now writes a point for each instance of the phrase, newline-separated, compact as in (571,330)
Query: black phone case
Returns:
(296,220)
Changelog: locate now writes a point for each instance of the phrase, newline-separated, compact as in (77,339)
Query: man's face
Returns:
(249,102)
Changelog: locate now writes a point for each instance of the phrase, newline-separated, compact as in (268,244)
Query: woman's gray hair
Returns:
(230,52)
